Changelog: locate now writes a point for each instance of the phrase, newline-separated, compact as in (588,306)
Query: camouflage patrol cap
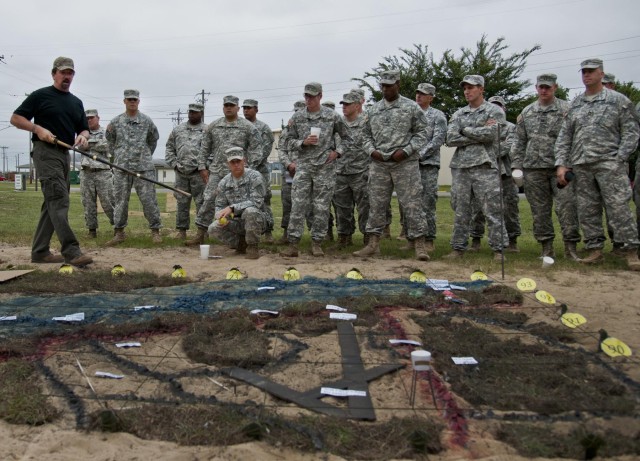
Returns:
(608,78)
(329,104)
(313,88)
(477,80)
(389,77)
(231,100)
(358,91)
(91,113)
(546,79)
(131,94)
(350,98)
(299,105)
(62,63)
(234,153)
(497,100)
(196,107)
(426,88)
(249,103)
(592,63)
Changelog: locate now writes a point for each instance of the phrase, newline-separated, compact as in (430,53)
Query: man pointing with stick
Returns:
(56,114)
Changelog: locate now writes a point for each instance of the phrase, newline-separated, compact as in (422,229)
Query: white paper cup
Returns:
(547,261)
(421,360)
(518,177)
(204,251)
(315,131)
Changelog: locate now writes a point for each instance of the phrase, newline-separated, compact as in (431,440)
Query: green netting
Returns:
(35,312)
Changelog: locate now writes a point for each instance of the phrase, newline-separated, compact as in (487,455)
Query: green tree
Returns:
(502,74)
(629,90)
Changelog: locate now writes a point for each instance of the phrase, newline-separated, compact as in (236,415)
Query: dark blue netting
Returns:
(35,312)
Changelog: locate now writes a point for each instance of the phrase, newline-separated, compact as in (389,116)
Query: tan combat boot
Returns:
(291,251)
(372,248)
(595,256)
(284,240)
(252,251)
(429,245)
(155,236)
(267,238)
(632,259)
(316,248)
(181,234)
(570,251)
(242,246)
(118,237)
(410,245)
(421,249)
(547,249)
(513,246)
(344,241)
(92,234)
(455,254)
(497,257)
(198,239)
(386,233)
(475,245)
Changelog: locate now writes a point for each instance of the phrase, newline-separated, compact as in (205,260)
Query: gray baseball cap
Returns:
(196,107)
(313,88)
(389,77)
(426,88)
(91,113)
(231,100)
(473,80)
(129,94)
(299,105)
(350,98)
(249,103)
(608,78)
(546,79)
(592,63)
(234,153)
(497,100)
(329,104)
(63,63)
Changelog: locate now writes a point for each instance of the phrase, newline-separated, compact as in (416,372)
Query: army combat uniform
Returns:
(96,181)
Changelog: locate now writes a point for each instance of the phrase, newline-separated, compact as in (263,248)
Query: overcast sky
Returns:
(172,50)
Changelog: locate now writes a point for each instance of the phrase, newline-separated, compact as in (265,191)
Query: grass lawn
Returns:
(20,212)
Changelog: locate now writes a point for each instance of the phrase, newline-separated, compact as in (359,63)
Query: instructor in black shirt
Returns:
(56,114)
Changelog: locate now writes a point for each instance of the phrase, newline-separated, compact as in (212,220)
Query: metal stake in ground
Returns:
(117,167)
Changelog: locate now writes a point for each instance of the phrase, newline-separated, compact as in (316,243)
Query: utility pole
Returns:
(177,120)
(201,98)
(4,158)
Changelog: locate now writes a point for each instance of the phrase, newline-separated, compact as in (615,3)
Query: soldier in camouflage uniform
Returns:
(473,132)
(96,179)
(430,159)
(241,213)
(315,168)
(182,150)
(250,111)
(352,169)
(609,81)
(222,134)
(536,132)
(289,169)
(132,138)
(510,198)
(597,137)
(394,133)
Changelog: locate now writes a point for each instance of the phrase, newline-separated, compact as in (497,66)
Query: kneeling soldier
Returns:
(241,214)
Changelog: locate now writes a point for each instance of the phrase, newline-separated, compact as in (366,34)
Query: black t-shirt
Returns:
(58,111)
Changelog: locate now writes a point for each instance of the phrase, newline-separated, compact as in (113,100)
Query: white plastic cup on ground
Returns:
(204,251)
(547,261)
(315,131)
(421,360)
(518,177)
